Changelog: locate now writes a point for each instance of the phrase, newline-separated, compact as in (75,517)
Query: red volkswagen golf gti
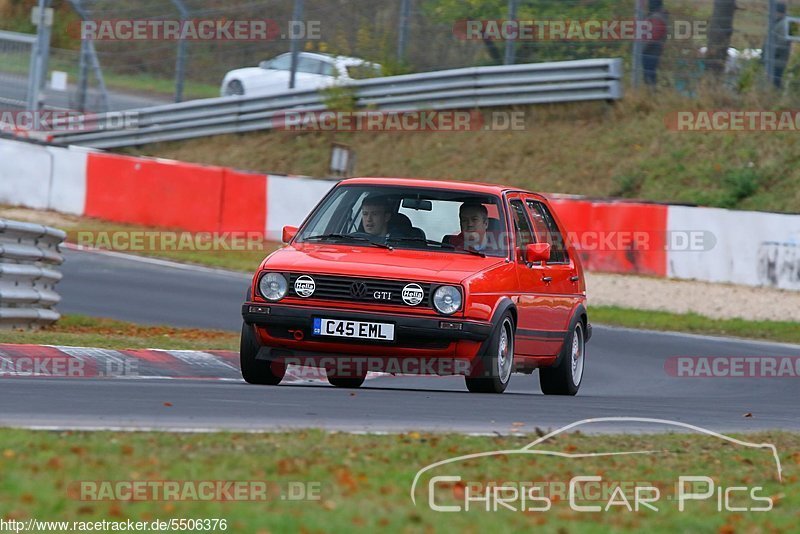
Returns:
(421,277)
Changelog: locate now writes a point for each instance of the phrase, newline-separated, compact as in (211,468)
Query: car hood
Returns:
(367,262)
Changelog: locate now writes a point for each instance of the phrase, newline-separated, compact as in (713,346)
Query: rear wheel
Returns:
(255,371)
(566,377)
(498,362)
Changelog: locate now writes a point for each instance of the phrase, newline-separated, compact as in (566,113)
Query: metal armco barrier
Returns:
(469,88)
(27,278)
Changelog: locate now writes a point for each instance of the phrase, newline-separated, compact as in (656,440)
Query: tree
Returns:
(719,34)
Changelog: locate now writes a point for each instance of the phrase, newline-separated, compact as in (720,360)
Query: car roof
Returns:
(475,187)
(345,60)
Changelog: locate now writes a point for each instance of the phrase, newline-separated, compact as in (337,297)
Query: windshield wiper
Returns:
(436,243)
(473,251)
(326,237)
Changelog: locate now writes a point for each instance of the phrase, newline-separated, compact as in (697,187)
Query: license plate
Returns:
(353,329)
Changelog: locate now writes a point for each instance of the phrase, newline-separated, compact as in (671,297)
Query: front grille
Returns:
(360,289)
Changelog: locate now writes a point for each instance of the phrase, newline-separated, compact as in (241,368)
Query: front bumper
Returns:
(445,329)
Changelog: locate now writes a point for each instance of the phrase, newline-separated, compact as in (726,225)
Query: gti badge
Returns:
(304,286)
(413,294)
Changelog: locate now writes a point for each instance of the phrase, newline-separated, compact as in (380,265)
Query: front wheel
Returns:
(234,88)
(566,377)
(256,371)
(498,362)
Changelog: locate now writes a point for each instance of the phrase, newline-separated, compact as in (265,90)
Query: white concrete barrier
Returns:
(68,190)
(290,199)
(752,248)
(25,174)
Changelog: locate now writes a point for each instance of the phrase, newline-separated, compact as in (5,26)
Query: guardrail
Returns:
(468,88)
(27,280)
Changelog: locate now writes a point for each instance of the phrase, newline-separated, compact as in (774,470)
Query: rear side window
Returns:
(522,227)
(308,65)
(547,231)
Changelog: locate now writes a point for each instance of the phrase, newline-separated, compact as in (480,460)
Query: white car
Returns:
(736,58)
(314,71)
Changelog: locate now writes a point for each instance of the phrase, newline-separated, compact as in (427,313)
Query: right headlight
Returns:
(447,300)
(273,286)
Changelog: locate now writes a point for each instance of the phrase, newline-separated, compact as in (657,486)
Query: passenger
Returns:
(474,219)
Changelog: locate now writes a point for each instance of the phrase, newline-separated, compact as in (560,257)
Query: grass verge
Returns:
(83,331)
(349,482)
(788,332)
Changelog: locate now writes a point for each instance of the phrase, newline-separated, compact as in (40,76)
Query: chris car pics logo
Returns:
(445,486)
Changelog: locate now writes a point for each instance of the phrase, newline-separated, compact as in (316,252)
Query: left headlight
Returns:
(447,300)
(273,286)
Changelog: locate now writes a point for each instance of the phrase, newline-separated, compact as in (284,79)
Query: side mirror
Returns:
(288,233)
(536,252)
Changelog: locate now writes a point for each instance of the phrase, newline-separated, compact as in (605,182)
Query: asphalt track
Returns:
(14,90)
(624,376)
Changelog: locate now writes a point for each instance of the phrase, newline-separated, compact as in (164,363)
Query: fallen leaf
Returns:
(8,453)
(748,414)
(345,479)
(517,423)
(168,404)
(55,463)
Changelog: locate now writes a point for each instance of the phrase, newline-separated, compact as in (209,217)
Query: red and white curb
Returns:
(86,362)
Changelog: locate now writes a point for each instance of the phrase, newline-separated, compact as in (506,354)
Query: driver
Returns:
(375,215)
(474,219)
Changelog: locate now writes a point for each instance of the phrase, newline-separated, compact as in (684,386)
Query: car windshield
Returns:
(447,221)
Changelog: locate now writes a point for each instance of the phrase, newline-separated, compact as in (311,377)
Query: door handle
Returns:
(547,279)
(574,278)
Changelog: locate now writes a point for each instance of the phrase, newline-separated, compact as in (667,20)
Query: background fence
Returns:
(403,35)
(28,254)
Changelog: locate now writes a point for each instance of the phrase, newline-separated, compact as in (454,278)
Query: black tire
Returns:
(234,87)
(254,371)
(346,382)
(493,379)
(566,376)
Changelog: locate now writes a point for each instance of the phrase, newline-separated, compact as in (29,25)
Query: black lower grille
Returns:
(367,290)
